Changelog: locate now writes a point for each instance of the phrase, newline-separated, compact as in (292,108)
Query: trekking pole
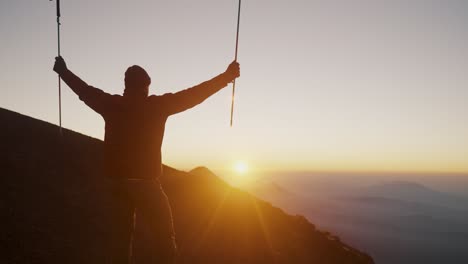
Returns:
(235,59)
(59,79)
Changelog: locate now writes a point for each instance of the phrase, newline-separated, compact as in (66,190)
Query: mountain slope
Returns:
(56,208)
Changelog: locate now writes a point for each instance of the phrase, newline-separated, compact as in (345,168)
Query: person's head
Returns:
(137,82)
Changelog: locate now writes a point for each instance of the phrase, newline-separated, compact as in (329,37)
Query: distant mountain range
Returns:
(56,208)
(395,221)
(415,192)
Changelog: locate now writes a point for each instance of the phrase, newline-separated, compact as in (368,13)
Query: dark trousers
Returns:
(142,203)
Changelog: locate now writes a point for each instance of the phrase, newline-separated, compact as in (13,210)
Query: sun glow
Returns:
(241,167)
(241,174)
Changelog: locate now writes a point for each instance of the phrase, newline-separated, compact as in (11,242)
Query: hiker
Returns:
(134,131)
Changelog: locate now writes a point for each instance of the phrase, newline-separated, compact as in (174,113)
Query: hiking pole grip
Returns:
(235,59)
(58,8)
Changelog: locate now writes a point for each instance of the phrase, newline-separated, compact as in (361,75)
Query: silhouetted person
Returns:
(134,131)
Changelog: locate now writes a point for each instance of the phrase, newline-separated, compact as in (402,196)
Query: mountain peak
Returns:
(202,170)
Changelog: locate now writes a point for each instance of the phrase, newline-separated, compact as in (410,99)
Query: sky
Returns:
(363,85)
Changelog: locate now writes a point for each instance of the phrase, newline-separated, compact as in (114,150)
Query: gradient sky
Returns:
(325,85)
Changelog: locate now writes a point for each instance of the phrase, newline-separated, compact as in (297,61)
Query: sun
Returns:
(241,167)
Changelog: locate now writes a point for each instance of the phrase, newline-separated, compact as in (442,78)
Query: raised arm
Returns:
(93,97)
(74,82)
(186,99)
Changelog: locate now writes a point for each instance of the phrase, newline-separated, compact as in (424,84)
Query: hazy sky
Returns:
(340,85)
